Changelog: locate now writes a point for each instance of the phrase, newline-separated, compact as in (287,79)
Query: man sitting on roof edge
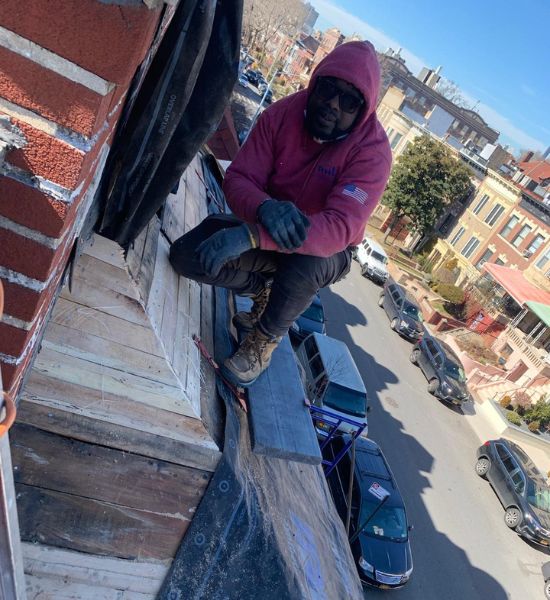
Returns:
(302,188)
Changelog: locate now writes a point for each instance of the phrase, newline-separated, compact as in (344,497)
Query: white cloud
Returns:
(348,24)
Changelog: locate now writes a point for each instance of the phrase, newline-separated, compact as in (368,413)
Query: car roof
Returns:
(339,363)
(448,351)
(375,246)
(371,466)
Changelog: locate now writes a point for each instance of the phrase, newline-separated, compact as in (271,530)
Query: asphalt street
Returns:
(462,550)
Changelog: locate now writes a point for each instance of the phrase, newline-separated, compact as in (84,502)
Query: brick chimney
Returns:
(65,69)
(527,156)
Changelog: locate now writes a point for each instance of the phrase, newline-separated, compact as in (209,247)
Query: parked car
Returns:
(253,76)
(382,549)
(520,487)
(373,260)
(243,80)
(332,381)
(442,368)
(311,320)
(404,314)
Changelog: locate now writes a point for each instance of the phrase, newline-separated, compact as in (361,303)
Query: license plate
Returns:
(386,578)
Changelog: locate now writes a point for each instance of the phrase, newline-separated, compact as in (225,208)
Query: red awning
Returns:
(514,282)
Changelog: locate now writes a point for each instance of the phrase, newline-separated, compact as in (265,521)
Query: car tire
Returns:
(482,467)
(547,589)
(413,357)
(393,324)
(381,301)
(433,386)
(513,517)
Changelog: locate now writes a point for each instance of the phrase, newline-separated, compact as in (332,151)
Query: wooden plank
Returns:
(148,259)
(103,406)
(114,381)
(134,256)
(62,464)
(92,270)
(62,588)
(86,525)
(144,443)
(193,364)
(107,251)
(173,218)
(73,315)
(74,342)
(280,422)
(105,300)
(95,571)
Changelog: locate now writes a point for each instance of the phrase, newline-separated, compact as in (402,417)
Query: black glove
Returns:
(223,246)
(284,222)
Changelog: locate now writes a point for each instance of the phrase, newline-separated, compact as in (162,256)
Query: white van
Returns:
(332,381)
(373,260)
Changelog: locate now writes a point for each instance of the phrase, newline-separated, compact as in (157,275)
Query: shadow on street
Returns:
(442,569)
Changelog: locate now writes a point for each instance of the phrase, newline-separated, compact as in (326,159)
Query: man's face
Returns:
(332,108)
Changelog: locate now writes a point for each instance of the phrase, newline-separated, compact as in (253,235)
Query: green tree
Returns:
(425,179)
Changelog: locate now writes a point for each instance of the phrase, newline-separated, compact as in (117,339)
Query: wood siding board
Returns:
(100,377)
(106,326)
(102,571)
(109,408)
(193,452)
(63,464)
(86,525)
(74,342)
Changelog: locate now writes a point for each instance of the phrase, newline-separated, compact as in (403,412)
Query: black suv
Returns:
(520,487)
(442,369)
(403,312)
(381,550)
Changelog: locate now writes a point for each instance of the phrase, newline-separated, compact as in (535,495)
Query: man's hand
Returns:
(284,222)
(223,246)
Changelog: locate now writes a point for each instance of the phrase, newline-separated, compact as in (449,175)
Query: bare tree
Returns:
(450,90)
(263,18)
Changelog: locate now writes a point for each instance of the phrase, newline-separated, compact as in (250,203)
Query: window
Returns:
(518,480)
(500,262)
(470,246)
(494,215)
(543,260)
(502,451)
(457,236)
(521,235)
(512,222)
(535,244)
(389,131)
(486,256)
(481,204)
(316,366)
(395,140)
(311,347)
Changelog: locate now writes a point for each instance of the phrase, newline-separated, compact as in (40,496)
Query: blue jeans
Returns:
(296,277)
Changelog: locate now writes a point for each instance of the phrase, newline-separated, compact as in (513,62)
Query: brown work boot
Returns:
(251,359)
(246,321)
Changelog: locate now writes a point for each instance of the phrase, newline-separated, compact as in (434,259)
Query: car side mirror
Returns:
(369,408)
(410,527)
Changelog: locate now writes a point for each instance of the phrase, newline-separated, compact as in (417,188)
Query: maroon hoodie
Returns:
(336,184)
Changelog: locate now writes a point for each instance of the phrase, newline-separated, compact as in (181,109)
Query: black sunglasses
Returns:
(326,89)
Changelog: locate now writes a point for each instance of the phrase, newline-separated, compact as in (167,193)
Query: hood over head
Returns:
(356,63)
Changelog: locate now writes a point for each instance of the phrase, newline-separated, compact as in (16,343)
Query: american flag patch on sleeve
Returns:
(352,190)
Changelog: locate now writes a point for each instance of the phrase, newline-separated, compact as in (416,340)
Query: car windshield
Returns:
(389,522)
(412,311)
(346,400)
(314,312)
(455,372)
(379,257)
(538,496)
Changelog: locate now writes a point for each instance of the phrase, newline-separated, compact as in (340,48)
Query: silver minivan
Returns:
(332,381)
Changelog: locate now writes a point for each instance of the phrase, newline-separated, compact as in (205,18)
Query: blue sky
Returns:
(497,52)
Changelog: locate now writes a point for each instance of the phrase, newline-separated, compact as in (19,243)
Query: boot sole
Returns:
(230,376)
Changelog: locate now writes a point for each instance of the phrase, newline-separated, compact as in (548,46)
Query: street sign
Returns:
(377,490)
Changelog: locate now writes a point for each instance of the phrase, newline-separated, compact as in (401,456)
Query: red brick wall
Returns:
(65,67)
